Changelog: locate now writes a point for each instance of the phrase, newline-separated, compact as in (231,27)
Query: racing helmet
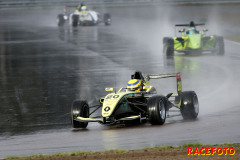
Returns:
(135,85)
(191,31)
(83,8)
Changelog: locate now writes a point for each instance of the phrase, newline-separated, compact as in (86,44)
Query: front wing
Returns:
(103,121)
(182,44)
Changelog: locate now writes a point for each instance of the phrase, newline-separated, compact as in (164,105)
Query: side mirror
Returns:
(109,89)
(182,30)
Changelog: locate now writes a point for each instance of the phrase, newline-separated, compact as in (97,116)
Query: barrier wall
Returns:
(24,3)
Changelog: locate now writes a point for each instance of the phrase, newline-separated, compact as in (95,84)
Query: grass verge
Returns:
(169,152)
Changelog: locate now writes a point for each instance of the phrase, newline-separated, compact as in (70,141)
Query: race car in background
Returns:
(83,17)
(137,103)
(192,41)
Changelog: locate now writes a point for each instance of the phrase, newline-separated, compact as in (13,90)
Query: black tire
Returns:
(168,47)
(189,105)
(157,110)
(79,108)
(107,19)
(219,46)
(60,20)
(75,20)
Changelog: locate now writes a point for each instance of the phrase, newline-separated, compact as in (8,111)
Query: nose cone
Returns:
(109,104)
(195,41)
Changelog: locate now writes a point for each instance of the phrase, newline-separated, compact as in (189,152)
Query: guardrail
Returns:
(32,3)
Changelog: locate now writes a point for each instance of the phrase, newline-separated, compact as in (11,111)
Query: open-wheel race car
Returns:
(137,103)
(84,17)
(193,41)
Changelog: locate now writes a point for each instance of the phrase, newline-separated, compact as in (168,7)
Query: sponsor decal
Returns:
(211,151)
(106,109)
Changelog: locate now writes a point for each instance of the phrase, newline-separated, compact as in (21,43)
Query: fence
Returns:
(24,3)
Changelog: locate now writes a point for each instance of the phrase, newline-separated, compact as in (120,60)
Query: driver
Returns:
(135,85)
(81,7)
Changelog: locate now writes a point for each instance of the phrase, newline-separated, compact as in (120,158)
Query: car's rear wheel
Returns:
(75,20)
(60,20)
(219,46)
(79,108)
(107,19)
(189,105)
(157,110)
(168,47)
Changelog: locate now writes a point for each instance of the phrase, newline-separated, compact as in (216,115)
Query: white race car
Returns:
(83,17)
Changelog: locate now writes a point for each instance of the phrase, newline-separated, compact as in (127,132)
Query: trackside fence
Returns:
(37,3)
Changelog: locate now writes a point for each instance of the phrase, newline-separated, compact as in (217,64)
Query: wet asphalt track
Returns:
(43,68)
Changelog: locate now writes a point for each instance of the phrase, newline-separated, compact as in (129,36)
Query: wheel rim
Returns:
(195,104)
(162,110)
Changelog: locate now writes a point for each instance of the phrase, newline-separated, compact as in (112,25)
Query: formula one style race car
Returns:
(137,103)
(83,16)
(193,41)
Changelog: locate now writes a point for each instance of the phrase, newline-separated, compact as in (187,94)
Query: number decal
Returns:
(116,96)
(112,96)
(109,97)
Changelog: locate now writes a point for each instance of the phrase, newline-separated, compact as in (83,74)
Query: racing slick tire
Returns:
(189,105)
(75,20)
(60,20)
(157,110)
(107,19)
(79,108)
(168,47)
(219,46)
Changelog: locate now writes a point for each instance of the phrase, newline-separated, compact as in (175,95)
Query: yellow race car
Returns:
(137,103)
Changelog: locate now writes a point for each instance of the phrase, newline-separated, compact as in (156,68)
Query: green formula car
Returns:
(193,41)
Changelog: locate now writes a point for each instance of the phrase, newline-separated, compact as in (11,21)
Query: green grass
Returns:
(191,145)
(119,151)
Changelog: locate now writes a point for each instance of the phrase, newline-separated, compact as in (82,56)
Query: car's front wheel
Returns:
(168,47)
(157,110)
(79,108)
(219,46)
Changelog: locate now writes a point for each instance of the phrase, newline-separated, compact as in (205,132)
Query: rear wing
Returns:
(188,25)
(167,75)
(191,24)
